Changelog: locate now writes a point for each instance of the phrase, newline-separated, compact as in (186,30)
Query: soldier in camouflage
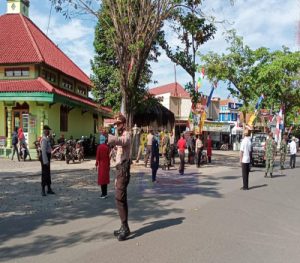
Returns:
(270,154)
(283,151)
(166,151)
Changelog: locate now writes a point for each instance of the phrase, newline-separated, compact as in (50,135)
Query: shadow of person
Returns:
(156,225)
(257,186)
(278,175)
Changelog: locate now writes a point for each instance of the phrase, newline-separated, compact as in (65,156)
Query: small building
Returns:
(176,99)
(40,85)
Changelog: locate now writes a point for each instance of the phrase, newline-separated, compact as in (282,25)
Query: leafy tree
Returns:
(279,79)
(105,68)
(192,29)
(238,68)
(131,30)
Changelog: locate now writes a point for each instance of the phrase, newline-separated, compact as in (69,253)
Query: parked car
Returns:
(258,148)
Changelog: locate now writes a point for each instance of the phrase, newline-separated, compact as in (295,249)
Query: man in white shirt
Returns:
(245,159)
(293,152)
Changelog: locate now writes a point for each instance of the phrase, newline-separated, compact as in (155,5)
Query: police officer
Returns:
(121,141)
(283,151)
(270,154)
(45,161)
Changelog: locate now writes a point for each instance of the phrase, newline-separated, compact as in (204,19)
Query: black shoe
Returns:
(282,168)
(50,192)
(117,232)
(266,174)
(124,233)
(43,192)
(271,175)
(244,188)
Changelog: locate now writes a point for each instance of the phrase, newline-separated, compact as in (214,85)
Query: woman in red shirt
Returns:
(103,165)
(181,145)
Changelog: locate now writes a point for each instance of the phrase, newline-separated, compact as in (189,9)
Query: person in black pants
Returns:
(45,161)
(245,151)
(14,144)
(154,158)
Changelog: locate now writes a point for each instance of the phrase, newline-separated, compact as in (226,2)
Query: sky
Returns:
(268,23)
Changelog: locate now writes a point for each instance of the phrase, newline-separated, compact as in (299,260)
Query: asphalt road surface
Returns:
(202,216)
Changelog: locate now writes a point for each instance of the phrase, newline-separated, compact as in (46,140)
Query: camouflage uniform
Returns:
(283,151)
(166,151)
(270,154)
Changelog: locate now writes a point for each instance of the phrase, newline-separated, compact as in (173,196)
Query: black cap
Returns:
(46,127)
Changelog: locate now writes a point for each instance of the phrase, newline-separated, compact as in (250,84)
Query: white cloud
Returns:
(73,36)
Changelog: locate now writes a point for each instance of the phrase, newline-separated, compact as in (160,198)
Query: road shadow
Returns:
(278,175)
(156,225)
(257,186)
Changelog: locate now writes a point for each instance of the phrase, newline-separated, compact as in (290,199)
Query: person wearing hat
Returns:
(45,161)
(245,159)
(121,142)
(293,152)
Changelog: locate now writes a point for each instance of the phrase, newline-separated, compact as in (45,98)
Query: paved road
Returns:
(199,217)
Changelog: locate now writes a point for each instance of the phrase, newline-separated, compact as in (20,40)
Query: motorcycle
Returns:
(70,151)
(59,152)
(79,151)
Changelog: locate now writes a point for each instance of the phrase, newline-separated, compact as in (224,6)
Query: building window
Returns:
(16,72)
(67,84)
(82,90)
(48,75)
(64,118)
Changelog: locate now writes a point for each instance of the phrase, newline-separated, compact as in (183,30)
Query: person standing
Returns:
(245,151)
(293,152)
(166,151)
(14,143)
(102,165)
(141,146)
(23,145)
(172,148)
(181,145)
(283,151)
(122,142)
(191,149)
(209,147)
(149,146)
(154,158)
(270,154)
(199,149)
(45,161)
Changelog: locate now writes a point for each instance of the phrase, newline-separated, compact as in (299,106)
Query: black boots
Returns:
(271,175)
(50,192)
(43,191)
(122,233)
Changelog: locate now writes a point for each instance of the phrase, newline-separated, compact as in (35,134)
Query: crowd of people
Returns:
(114,152)
(154,144)
(270,154)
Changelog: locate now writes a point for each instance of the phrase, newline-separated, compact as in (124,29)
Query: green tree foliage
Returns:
(192,29)
(105,68)
(279,78)
(238,68)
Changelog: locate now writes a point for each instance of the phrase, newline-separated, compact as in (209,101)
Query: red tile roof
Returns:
(225,102)
(170,88)
(21,41)
(40,85)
